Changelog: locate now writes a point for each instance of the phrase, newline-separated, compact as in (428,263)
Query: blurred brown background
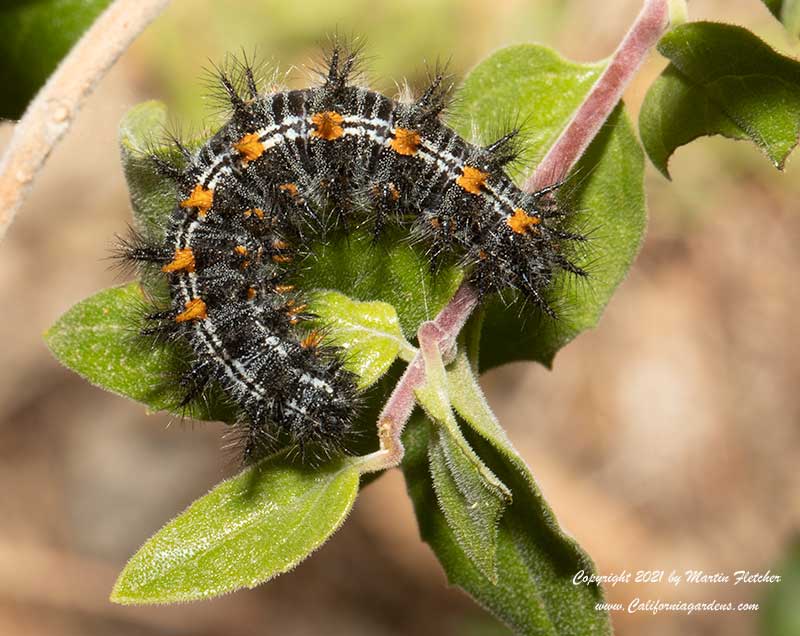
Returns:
(669,437)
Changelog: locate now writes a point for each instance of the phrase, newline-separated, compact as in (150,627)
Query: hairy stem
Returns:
(647,29)
(50,114)
(443,331)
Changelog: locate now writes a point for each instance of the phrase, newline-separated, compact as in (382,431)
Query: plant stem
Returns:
(645,32)
(50,114)
(443,331)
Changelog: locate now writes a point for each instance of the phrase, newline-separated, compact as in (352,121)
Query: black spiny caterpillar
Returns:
(281,164)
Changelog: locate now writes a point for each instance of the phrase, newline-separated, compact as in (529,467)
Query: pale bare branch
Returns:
(50,114)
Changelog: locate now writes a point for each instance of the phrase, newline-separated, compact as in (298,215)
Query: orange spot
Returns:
(251,293)
(472,179)
(394,192)
(257,211)
(195,310)
(312,340)
(250,147)
(327,125)
(182,261)
(482,255)
(280,244)
(201,198)
(293,309)
(284,289)
(281,258)
(241,250)
(291,188)
(520,222)
(435,223)
(405,141)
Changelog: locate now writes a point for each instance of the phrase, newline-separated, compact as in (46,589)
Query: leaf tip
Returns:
(121,594)
(663,168)
(139,122)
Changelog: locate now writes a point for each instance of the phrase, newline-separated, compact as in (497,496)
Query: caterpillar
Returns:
(284,163)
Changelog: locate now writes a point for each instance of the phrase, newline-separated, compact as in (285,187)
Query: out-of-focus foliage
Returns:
(34,36)
(788,12)
(780,611)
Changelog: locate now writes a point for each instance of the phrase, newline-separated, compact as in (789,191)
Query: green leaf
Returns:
(529,84)
(519,567)
(153,196)
(536,561)
(788,12)
(471,505)
(369,333)
(541,89)
(35,36)
(247,530)
(675,112)
(780,612)
(471,497)
(98,339)
(390,270)
(722,80)
(468,401)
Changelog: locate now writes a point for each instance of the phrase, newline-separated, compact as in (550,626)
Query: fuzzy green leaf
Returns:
(675,112)
(788,12)
(535,86)
(468,401)
(153,196)
(247,530)
(390,270)
(35,36)
(471,497)
(722,80)
(528,85)
(535,560)
(98,339)
(368,332)
(471,505)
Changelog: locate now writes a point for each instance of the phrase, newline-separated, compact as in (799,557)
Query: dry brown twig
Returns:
(50,114)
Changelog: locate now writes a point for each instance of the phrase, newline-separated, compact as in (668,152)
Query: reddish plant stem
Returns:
(643,35)
(443,331)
